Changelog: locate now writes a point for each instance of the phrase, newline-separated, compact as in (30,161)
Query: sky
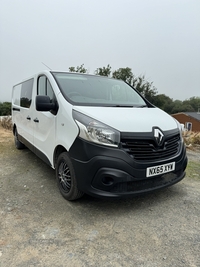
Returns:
(156,38)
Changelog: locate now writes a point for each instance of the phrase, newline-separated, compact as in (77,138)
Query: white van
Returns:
(99,134)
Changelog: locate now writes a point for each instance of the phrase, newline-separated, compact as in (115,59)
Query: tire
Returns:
(66,179)
(18,144)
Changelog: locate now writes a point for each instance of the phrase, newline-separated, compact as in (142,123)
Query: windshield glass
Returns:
(92,90)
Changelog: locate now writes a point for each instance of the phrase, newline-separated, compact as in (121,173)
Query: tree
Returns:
(163,102)
(5,108)
(146,88)
(80,69)
(194,102)
(177,106)
(105,71)
(187,108)
(124,74)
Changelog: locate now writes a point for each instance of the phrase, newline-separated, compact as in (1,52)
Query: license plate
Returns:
(160,169)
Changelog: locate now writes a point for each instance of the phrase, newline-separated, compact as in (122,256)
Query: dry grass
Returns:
(191,139)
(6,122)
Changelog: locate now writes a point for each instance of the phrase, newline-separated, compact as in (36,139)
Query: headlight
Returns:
(95,131)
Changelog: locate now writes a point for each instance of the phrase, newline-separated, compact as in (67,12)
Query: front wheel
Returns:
(18,144)
(66,178)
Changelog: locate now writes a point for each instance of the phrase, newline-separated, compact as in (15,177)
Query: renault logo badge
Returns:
(158,136)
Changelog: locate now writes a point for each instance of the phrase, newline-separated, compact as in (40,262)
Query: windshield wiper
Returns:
(129,106)
(143,106)
(123,106)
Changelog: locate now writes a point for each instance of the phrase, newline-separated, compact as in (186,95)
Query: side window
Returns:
(17,94)
(44,88)
(42,85)
(26,93)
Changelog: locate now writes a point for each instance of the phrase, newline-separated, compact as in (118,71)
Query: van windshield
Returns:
(89,90)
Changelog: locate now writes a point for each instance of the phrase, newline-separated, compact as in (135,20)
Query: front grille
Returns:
(148,150)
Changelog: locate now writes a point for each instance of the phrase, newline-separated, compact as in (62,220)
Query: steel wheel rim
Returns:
(64,176)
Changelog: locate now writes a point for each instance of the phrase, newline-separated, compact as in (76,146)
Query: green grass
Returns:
(193,170)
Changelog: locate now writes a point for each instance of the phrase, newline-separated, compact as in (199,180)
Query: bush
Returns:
(6,122)
(191,138)
(5,108)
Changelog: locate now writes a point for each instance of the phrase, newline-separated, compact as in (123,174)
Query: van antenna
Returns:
(46,66)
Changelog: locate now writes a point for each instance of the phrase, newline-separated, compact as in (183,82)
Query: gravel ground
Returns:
(40,228)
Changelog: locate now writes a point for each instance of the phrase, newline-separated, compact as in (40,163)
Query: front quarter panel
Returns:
(66,128)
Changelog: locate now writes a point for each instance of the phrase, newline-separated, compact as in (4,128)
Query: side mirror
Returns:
(43,103)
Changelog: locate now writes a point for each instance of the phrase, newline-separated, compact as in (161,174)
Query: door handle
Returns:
(28,118)
(36,120)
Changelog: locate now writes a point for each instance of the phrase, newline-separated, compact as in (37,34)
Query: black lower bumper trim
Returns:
(148,184)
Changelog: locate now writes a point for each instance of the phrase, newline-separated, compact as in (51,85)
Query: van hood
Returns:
(130,119)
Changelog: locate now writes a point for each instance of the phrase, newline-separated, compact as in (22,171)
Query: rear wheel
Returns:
(66,178)
(18,144)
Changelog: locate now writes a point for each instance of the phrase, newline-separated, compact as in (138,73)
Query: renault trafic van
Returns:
(100,135)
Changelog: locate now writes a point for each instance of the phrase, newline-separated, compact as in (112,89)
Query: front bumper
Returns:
(108,172)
